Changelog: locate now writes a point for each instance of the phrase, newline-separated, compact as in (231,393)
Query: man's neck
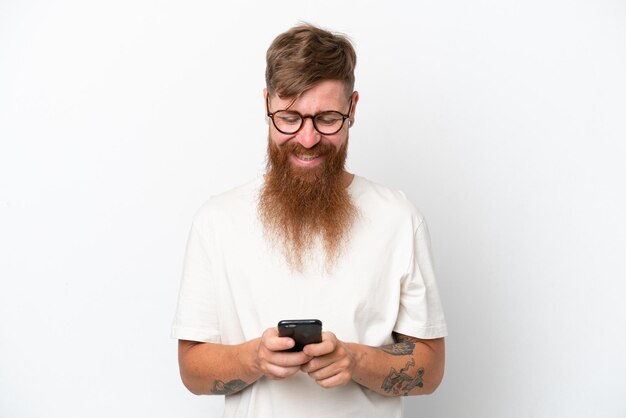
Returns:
(346,178)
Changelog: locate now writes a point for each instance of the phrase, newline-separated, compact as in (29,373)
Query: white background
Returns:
(504,122)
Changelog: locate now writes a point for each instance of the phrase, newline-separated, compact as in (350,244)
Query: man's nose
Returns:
(308,136)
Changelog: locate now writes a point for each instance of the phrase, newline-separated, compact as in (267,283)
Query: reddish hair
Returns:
(304,56)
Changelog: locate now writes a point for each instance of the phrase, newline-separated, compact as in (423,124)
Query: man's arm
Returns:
(218,369)
(409,366)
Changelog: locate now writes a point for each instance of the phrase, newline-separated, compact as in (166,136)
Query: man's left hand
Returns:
(332,363)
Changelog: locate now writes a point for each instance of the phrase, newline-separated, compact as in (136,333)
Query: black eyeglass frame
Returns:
(303,117)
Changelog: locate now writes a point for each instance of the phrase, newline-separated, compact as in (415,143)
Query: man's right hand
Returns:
(218,369)
(273,361)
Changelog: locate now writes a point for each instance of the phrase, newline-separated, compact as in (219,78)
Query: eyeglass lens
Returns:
(326,123)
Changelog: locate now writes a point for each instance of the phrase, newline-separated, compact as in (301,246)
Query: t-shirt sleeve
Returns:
(420,313)
(196,315)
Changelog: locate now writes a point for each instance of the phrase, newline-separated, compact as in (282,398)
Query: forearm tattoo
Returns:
(403,346)
(220,388)
(401,383)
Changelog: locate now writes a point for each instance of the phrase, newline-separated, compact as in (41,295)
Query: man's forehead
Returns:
(324,94)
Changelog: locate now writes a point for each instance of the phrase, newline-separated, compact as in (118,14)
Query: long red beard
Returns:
(301,206)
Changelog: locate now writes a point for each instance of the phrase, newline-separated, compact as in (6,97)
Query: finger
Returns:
(328,345)
(317,363)
(326,372)
(335,380)
(273,342)
(277,372)
(288,359)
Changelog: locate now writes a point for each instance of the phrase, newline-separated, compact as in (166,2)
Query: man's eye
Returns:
(327,120)
(290,119)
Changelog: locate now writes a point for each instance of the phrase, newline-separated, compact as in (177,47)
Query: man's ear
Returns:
(266,102)
(355,100)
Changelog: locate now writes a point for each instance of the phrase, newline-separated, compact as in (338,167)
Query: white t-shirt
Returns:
(235,285)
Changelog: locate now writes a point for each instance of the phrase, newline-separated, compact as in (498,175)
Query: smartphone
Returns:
(303,331)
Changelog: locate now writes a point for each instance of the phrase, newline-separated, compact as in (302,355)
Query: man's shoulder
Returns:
(375,195)
(230,202)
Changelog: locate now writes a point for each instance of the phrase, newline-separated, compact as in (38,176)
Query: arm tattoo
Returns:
(399,382)
(220,388)
(403,345)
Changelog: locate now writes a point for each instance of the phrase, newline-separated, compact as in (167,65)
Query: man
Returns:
(310,240)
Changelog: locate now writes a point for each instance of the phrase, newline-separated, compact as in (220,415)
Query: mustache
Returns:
(294,147)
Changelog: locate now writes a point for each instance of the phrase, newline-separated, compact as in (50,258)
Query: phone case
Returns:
(303,331)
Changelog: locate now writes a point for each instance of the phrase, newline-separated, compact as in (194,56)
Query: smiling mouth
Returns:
(307,157)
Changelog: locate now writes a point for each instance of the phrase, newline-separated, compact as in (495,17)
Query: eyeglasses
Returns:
(289,122)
